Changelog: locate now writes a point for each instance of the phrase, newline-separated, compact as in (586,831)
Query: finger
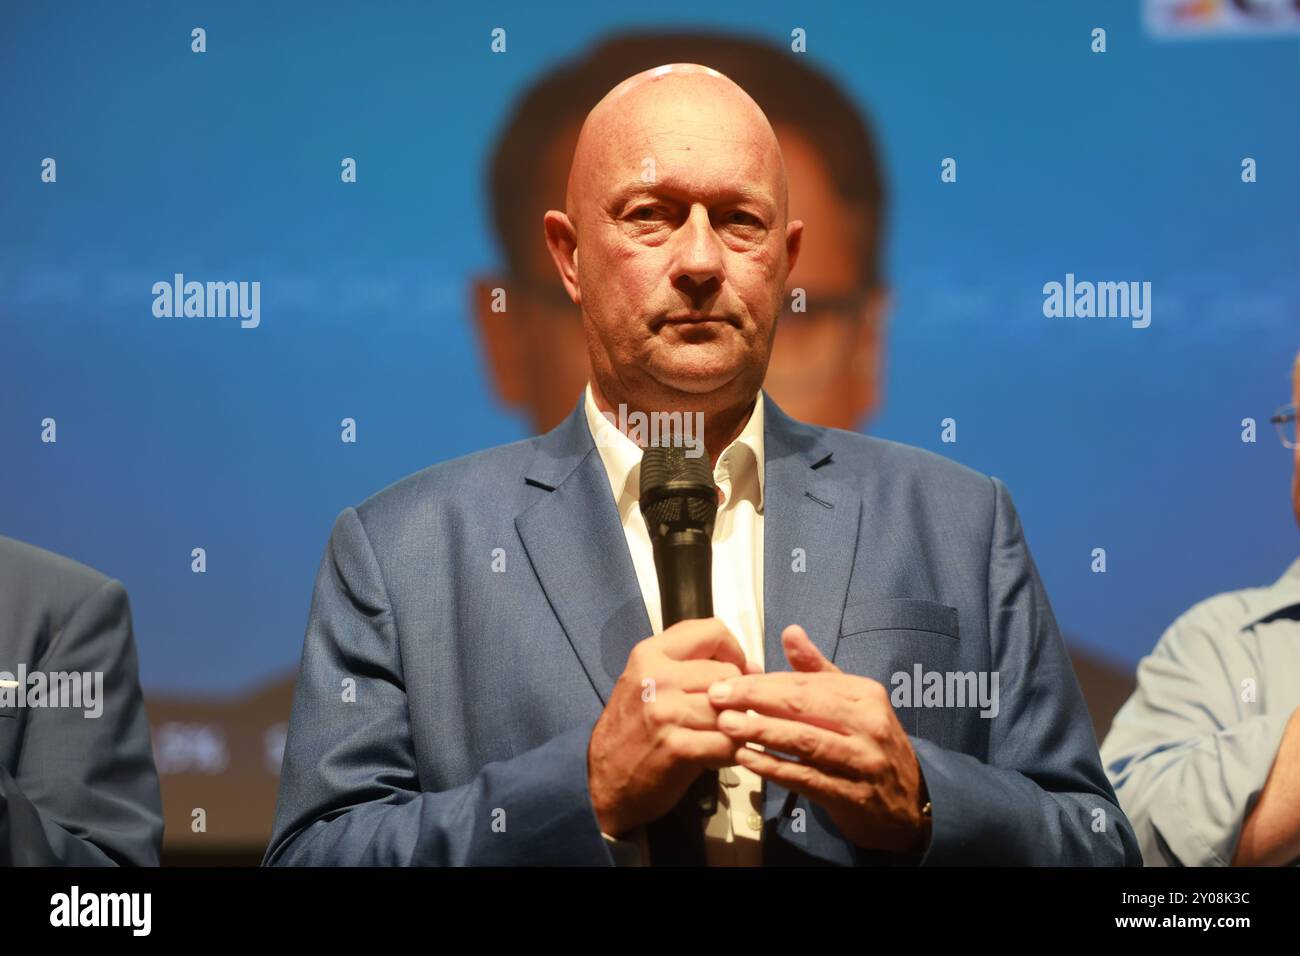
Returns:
(801,778)
(695,676)
(831,751)
(704,748)
(802,653)
(678,709)
(838,701)
(702,639)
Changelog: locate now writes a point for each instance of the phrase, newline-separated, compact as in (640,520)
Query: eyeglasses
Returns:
(1285,420)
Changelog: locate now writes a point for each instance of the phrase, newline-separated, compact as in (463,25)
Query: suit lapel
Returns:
(810,539)
(577,547)
(810,536)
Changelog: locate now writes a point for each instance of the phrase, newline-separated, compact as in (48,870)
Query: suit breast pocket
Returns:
(901,642)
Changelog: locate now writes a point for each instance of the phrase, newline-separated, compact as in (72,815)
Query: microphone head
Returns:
(677,491)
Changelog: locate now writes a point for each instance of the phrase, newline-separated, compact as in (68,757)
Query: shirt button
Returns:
(755,822)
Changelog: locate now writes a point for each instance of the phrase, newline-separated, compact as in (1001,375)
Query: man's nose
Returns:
(698,269)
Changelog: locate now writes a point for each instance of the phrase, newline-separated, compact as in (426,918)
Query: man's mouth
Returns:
(695,318)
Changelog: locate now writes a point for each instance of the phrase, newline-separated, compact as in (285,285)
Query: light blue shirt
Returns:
(1189,752)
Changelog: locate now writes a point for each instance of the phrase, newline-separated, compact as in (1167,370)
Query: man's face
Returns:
(682,244)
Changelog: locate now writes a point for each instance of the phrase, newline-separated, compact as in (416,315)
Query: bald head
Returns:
(675,244)
(658,118)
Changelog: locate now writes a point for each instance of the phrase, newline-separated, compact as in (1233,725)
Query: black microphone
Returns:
(679,502)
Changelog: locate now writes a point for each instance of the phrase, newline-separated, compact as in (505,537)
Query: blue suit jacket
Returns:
(469,623)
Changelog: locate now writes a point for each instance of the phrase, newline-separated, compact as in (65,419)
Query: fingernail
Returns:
(719,691)
(730,720)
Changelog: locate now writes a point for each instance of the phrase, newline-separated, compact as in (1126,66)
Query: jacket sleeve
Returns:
(350,791)
(84,791)
(1188,756)
(1041,798)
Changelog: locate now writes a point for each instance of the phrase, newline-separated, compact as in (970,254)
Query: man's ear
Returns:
(793,243)
(500,340)
(562,241)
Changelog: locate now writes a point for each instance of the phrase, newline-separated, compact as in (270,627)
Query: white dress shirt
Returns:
(733,834)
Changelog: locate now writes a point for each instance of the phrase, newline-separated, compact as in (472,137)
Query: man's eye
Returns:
(744,219)
(646,213)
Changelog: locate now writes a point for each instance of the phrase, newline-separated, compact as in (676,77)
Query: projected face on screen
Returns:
(826,362)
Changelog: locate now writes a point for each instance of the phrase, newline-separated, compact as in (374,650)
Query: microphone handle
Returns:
(684,566)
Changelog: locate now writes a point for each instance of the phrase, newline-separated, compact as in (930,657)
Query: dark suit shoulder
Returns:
(33,577)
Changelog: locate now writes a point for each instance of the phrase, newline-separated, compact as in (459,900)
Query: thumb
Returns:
(802,653)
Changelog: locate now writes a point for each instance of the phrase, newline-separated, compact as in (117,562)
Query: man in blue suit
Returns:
(486,678)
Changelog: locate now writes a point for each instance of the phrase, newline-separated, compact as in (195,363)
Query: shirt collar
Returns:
(1282,595)
(739,470)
